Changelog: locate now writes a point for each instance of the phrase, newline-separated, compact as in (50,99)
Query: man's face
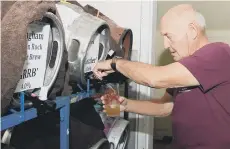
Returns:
(177,38)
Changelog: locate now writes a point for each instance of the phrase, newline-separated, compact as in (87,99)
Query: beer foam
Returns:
(112,106)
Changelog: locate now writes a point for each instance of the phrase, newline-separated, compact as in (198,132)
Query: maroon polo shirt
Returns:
(201,115)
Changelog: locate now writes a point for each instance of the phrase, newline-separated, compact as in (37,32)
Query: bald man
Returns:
(198,82)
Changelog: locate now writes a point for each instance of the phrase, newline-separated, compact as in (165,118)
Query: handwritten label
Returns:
(33,72)
(92,55)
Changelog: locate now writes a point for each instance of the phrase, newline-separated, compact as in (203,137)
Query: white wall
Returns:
(217,19)
(219,35)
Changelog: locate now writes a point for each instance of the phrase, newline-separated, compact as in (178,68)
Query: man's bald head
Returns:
(183,15)
(182,26)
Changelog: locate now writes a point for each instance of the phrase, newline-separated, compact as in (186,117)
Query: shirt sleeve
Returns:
(210,65)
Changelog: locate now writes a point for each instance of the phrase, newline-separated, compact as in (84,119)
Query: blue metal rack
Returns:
(62,103)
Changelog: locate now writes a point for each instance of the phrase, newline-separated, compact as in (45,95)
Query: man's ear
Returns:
(193,31)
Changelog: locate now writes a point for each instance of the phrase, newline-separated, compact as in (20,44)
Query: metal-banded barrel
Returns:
(56,46)
(54,50)
(68,13)
(54,59)
(87,41)
(122,36)
(126,43)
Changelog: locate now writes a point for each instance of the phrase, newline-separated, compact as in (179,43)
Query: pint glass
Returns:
(112,105)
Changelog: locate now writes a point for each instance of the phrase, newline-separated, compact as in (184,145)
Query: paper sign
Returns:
(33,72)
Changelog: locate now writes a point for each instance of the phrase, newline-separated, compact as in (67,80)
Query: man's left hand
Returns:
(102,69)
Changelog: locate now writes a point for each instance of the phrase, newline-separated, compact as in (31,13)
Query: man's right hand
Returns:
(123,102)
(102,69)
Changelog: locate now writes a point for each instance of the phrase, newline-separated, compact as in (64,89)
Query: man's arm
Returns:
(172,75)
(156,107)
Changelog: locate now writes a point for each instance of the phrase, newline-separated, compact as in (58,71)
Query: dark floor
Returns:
(162,144)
